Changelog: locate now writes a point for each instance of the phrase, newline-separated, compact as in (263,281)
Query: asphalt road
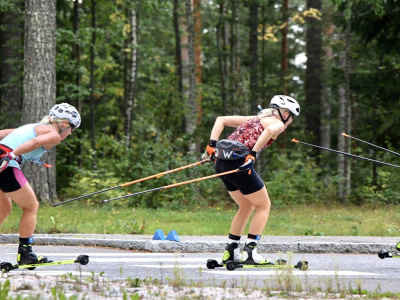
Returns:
(326,271)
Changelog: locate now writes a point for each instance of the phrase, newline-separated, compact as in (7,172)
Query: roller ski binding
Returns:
(231,253)
(26,256)
(7,267)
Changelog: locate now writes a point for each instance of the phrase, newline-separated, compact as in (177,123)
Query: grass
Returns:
(293,220)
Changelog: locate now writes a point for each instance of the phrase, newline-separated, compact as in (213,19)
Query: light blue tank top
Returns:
(18,137)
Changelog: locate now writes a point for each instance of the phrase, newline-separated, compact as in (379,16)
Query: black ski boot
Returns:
(26,256)
(231,253)
(251,257)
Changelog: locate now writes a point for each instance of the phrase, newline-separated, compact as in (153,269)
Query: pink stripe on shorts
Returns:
(20,177)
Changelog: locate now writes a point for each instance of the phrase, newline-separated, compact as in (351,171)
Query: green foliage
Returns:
(382,193)
(4,289)
(159,141)
(296,179)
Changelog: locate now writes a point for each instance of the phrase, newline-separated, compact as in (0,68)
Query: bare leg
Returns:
(26,199)
(262,204)
(5,207)
(242,216)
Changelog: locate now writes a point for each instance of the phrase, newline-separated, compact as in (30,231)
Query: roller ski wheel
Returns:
(6,267)
(386,254)
(212,264)
(82,259)
(232,265)
(281,262)
(301,265)
(383,253)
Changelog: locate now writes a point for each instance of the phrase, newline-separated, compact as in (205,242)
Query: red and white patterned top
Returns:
(248,134)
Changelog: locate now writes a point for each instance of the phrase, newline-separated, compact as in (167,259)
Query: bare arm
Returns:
(271,131)
(47,136)
(230,121)
(5,132)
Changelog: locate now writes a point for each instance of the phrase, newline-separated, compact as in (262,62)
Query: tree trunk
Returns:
(344,165)
(92,85)
(178,57)
(221,53)
(313,83)
(284,48)
(326,100)
(234,58)
(77,53)
(130,99)
(40,86)
(191,104)
(253,20)
(263,64)
(198,61)
(11,71)
(347,160)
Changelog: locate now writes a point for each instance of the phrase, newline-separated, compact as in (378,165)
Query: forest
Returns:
(149,78)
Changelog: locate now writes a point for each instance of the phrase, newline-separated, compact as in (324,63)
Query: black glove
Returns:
(249,162)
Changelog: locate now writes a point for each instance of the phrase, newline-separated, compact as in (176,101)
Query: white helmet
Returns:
(282,101)
(66,111)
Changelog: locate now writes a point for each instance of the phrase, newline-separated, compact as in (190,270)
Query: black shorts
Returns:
(242,181)
(11,180)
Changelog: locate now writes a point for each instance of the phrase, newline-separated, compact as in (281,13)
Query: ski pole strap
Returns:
(4,150)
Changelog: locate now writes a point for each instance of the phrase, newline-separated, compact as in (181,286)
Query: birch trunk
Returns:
(191,101)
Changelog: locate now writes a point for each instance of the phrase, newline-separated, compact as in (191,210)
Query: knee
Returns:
(4,213)
(247,209)
(32,207)
(264,205)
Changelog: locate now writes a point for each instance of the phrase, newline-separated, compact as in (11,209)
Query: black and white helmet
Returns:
(282,101)
(68,112)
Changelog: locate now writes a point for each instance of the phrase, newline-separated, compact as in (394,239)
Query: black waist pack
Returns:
(230,150)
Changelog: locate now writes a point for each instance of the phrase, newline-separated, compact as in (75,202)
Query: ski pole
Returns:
(135,181)
(352,137)
(173,185)
(348,154)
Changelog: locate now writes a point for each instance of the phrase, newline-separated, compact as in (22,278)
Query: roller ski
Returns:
(386,254)
(279,264)
(7,267)
(250,259)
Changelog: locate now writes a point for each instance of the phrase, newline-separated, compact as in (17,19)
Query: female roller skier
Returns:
(29,143)
(253,133)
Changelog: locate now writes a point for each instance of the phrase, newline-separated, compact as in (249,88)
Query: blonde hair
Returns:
(269,112)
(48,120)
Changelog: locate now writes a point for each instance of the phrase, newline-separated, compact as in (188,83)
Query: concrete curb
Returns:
(192,246)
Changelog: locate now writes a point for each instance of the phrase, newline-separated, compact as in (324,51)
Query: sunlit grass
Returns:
(293,220)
